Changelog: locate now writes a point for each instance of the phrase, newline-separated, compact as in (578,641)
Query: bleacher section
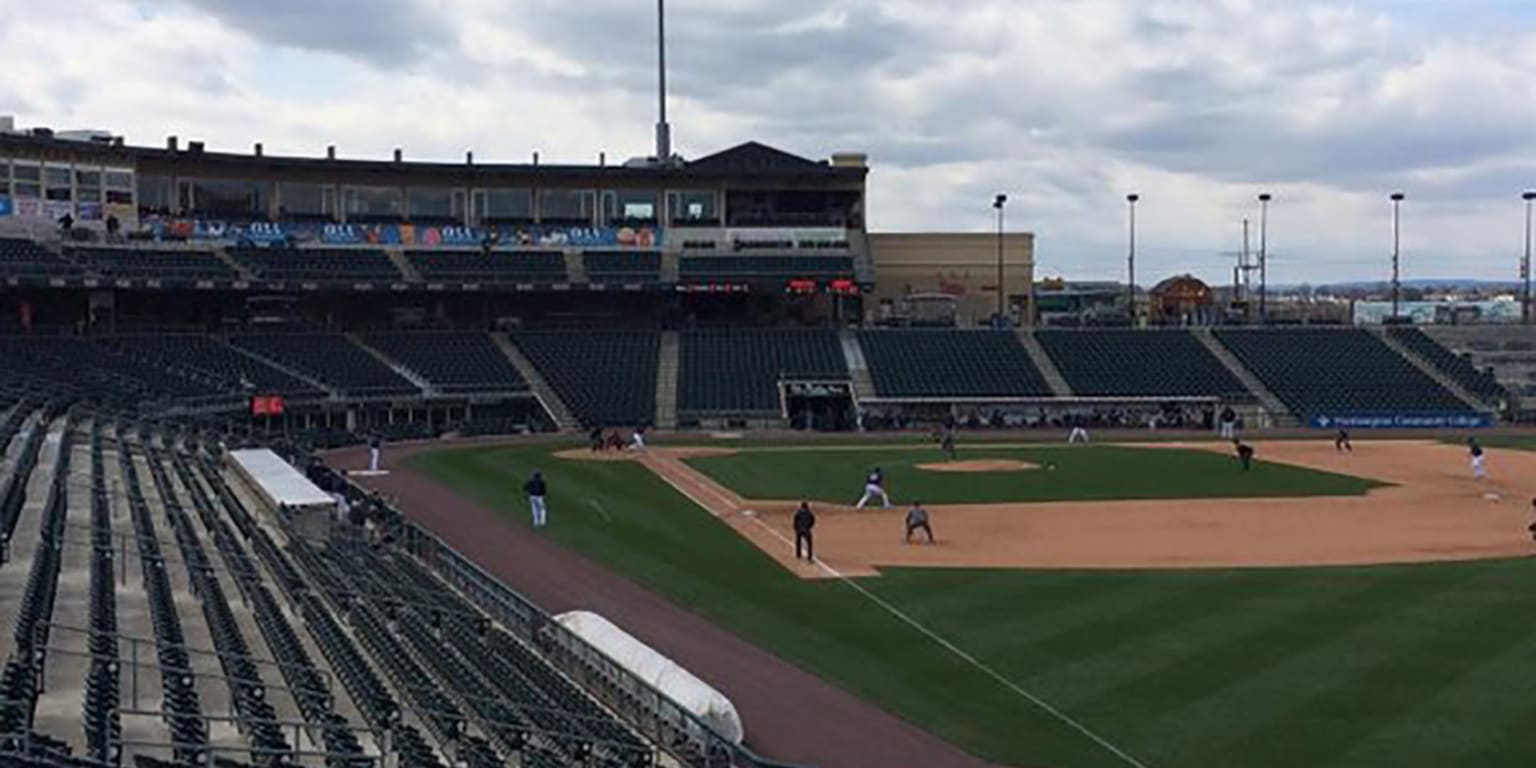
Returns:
(332,359)
(319,265)
(1455,367)
(152,264)
(499,267)
(762,269)
(914,363)
(452,362)
(94,372)
(1337,371)
(606,378)
(622,266)
(26,258)
(738,371)
(1128,363)
(209,358)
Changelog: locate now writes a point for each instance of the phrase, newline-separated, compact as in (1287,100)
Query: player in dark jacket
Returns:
(805,520)
(1341,442)
(1244,454)
(536,490)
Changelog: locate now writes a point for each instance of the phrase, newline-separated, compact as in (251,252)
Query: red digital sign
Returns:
(267,405)
(801,285)
(843,286)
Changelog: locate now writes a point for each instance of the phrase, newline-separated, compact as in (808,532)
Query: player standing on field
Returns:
(1244,454)
(1341,442)
(917,519)
(536,490)
(805,520)
(874,486)
(1479,471)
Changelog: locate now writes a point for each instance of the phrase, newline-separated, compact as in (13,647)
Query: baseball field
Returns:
(1113,605)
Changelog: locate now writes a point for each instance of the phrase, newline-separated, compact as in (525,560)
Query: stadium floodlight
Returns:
(663,131)
(1397,287)
(1264,198)
(1525,262)
(997,203)
(1130,259)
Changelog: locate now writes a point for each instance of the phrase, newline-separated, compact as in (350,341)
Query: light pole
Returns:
(1397,288)
(1264,198)
(1130,259)
(1525,263)
(997,203)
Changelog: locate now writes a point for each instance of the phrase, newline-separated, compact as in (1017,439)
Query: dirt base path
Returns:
(790,714)
(1434,511)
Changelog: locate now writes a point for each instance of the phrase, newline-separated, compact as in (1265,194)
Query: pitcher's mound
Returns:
(979,465)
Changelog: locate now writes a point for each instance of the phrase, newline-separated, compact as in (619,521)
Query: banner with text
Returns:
(1462,420)
(407,235)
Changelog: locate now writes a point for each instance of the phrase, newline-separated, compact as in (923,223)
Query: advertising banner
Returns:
(27,206)
(408,235)
(57,209)
(1458,420)
(5,205)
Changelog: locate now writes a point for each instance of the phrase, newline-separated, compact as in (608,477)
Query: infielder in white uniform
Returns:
(874,486)
(1479,471)
(1077,435)
(637,440)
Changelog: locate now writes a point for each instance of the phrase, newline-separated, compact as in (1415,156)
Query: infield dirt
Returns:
(1433,511)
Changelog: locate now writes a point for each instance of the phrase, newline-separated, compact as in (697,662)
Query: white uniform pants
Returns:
(540,516)
(1478,470)
(637,442)
(871,491)
(1228,430)
(1078,435)
(373,459)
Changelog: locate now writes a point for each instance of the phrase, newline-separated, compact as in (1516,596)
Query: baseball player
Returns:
(1341,442)
(917,520)
(536,490)
(1532,526)
(874,486)
(374,450)
(1244,454)
(637,440)
(1479,471)
(805,520)
(1228,423)
(1079,433)
(947,439)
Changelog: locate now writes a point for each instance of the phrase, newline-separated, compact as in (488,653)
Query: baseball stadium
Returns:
(385,463)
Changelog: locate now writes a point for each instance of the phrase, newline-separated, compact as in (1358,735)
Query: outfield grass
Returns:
(1066,473)
(1405,666)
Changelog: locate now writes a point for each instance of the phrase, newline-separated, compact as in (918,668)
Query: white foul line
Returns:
(1044,705)
(600,510)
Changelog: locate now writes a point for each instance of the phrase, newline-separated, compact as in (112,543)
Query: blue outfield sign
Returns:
(5,205)
(1458,420)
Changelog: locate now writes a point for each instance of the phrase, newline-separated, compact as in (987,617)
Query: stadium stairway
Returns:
(398,258)
(1429,370)
(285,369)
(241,271)
(666,381)
(425,386)
(858,367)
(559,412)
(1279,415)
(669,268)
(575,266)
(1048,370)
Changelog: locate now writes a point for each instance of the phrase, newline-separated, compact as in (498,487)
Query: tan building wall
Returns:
(963,265)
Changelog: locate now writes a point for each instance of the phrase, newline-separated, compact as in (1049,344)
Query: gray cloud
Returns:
(384,33)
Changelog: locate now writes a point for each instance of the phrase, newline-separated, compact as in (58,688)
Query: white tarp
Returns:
(665,675)
(277,480)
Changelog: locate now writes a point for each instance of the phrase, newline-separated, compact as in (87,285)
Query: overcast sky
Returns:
(1066,105)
